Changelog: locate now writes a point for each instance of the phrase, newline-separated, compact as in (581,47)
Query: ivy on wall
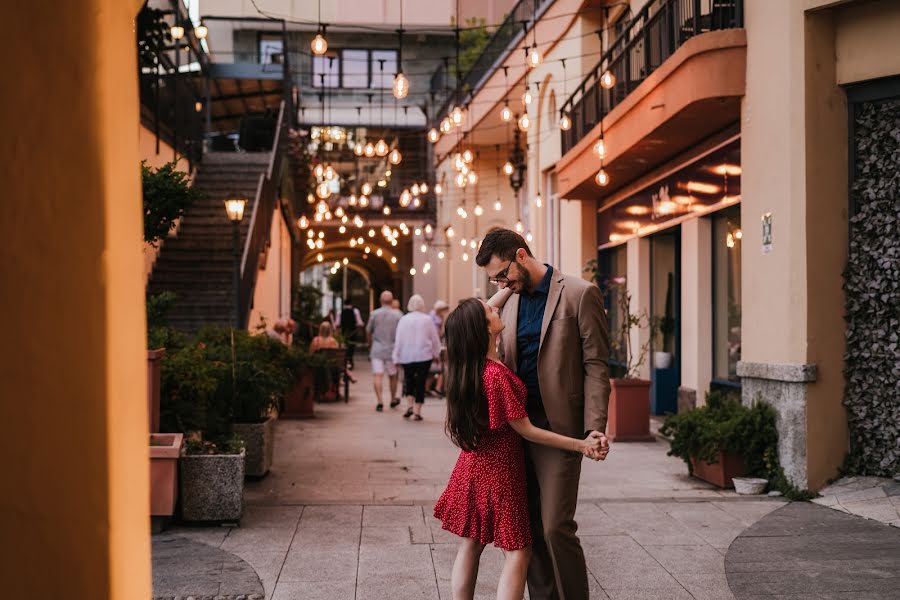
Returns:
(872,292)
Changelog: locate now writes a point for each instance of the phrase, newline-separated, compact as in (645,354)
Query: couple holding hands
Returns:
(530,363)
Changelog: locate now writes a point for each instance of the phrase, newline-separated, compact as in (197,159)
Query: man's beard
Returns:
(524,279)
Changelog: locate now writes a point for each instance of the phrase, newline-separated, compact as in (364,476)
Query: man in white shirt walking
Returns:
(381,331)
(415,346)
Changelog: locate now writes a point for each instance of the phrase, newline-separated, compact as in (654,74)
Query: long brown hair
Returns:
(468,340)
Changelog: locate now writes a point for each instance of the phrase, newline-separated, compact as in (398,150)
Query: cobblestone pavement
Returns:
(345,514)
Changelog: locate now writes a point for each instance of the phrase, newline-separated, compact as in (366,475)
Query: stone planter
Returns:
(299,403)
(259,442)
(629,411)
(164,451)
(721,472)
(212,487)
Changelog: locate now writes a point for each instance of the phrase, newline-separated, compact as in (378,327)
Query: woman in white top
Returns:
(416,345)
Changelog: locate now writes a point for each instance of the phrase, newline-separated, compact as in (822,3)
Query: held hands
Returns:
(595,446)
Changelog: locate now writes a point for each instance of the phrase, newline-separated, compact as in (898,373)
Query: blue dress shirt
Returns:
(528,340)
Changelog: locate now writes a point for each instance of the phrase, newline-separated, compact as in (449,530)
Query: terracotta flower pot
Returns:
(629,411)
(721,472)
(164,451)
(300,401)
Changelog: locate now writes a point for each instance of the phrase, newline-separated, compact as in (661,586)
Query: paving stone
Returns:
(705,586)
(316,590)
(184,567)
(315,565)
(269,538)
(688,560)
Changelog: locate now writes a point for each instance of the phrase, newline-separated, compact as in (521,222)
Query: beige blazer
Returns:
(573,360)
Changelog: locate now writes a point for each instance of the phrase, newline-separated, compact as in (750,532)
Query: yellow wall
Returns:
(73,360)
(271,299)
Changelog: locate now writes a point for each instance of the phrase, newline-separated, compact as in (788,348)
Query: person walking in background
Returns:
(556,340)
(395,304)
(381,331)
(349,321)
(435,384)
(486,500)
(415,346)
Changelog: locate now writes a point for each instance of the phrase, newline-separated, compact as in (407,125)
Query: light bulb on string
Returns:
(201,31)
(386,210)
(177,32)
(434,135)
(323,191)
(381,147)
(600,148)
(498,206)
(405,198)
(329,173)
(446,125)
(602,178)
(415,189)
(463,242)
(467,156)
(538,200)
(456,115)
(473,177)
(461,180)
(506,113)
(478,210)
(527,98)
(423,248)
(534,56)
(352,200)
(528,237)
(565,123)
(303,222)
(607,80)
(438,189)
(524,122)
(441,255)
(364,201)
(417,203)
(519,227)
(508,168)
(366,190)
(449,232)
(465,256)
(319,171)
(401,86)
(359,149)
(395,157)
(319,45)
(423,188)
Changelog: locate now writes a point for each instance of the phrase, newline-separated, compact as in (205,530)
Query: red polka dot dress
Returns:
(486,497)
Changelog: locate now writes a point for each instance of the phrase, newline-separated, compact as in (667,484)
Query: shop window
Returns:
(613,265)
(726,253)
(271,49)
(355,69)
(383,78)
(664,295)
(329,65)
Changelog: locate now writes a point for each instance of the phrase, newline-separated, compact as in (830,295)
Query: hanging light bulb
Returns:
(381,147)
(473,177)
(600,149)
(423,188)
(524,122)
(438,189)
(461,180)
(388,172)
(366,190)
(433,135)
(310,198)
(458,163)
(401,86)
(177,32)
(498,206)
(416,203)
(467,156)
(423,248)
(369,150)
(339,212)
(201,31)
(352,199)
(319,171)
(602,177)
(303,222)
(386,210)
(395,157)
(534,56)
(473,244)
(565,123)
(441,255)
(528,237)
(463,242)
(323,191)
(465,256)
(527,98)
(446,125)
(364,201)
(358,149)
(519,227)
(538,200)
(607,80)
(429,229)
(478,210)
(318,45)
(342,229)
(506,113)
(508,168)
(405,198)
(415,189)
(449,232)
(329,173)
(456,115)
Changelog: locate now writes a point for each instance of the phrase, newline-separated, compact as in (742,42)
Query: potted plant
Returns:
(629,401)
(309,377)
(724,440)
(254,381)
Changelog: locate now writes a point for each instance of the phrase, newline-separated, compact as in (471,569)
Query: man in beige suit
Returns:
(557,341)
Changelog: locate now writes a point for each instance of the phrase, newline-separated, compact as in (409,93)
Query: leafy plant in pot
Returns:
(310,373)
(254,381)
(629,400)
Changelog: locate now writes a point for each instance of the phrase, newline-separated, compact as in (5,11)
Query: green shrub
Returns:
(167,195)
(724,424)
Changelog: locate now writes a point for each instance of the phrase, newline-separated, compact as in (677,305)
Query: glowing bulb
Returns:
(323,191)
(369,150)
(506,113)
(538,200)
(527,98)
(528,237)
(449,232)
(371,233)
(342,229)
(607,80)
(177,32)
(395,157)
(319,46)
(346,261)
(456,115)
(387,210)
(319,171)
(329,173)
(388,172)
(438,189)
(378,252)
(524,122)
(600,149)
(359,149)
(319,257)
(393,260)
(498,206)
(426,267)
(352,200)
(366,189)
(467,156)
(508,168)
(465,256)
(478,210)
(405,198)
(565,123)
(423,248)
(423,188)
(198,106)
(738,234)
(433,135)
(441,255)
(602,178)
(460,180)
(320,244)
(519,227)
(364,201)
(401,86)
(473,177)
(412,271)
(473,244)
(201,31)
(446,125)
(534,56)
(303,222)
(415,189)
(381,147)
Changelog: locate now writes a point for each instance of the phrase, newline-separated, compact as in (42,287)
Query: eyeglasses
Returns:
(502,276)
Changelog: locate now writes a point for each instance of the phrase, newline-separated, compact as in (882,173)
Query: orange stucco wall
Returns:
(72,357)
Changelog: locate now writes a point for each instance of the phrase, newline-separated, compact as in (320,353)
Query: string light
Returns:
(534,56)
(602,177)
(446,125)
(319,45)
(381,147)
(401,86)
(508,168)
(538,200)
(434,135)
(478,210)
(519,227)
(600,148)
(395,157)
(565,123)
(369,150)
(527,98)
(177,32)
(607,80)
(498,206)
(524,122)
(506,113)
(201,31)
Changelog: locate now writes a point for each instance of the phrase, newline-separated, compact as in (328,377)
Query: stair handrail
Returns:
(261,220)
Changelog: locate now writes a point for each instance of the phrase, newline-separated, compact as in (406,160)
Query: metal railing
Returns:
(501,43)
(261,218)
(651,37)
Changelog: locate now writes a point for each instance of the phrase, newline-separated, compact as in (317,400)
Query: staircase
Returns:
(198,264)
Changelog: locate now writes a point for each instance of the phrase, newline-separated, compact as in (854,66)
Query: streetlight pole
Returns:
(234,208)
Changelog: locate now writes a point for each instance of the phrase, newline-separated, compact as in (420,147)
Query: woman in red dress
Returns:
(485,501)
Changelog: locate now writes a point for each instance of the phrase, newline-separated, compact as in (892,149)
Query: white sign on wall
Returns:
(767,233)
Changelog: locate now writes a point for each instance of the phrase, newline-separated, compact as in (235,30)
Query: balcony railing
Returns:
(496,49)
(651,37)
